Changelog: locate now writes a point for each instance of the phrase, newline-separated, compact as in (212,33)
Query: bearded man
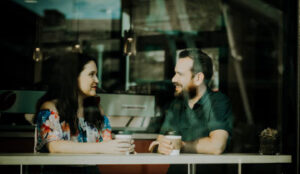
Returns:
(202,117)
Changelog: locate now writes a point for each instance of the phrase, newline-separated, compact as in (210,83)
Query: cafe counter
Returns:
(140,158)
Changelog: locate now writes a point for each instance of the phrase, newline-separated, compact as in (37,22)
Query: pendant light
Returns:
(76,46)
(37,52)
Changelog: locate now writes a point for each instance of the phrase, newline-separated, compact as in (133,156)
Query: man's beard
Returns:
(188,93)
(192,91)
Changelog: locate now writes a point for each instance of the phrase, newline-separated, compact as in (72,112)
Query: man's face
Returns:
(182,79)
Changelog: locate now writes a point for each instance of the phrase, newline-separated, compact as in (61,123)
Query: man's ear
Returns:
(198,78)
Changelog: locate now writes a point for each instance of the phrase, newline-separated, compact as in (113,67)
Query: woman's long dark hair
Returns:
(63,87)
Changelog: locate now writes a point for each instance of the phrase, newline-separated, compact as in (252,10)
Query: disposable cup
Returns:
(124,137)
(176,143)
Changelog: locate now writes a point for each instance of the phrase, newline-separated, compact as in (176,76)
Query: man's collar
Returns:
(204,98)
(201,101)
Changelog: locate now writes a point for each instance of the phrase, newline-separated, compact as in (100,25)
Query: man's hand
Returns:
(164,145)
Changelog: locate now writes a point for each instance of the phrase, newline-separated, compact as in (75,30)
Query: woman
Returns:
(69,117)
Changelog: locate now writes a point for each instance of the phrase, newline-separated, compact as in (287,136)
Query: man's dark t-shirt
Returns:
(212,112)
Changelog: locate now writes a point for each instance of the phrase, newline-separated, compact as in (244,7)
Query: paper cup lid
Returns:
(123,136)
(173,136)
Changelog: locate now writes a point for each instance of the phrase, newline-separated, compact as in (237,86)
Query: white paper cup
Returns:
(123,137)
(176,142)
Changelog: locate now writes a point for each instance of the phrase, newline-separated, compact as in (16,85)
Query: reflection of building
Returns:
(53,18)
(214,54)
(98,37)
(18,34)
(161,28)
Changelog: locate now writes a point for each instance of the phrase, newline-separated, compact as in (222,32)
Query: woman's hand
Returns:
(117,146)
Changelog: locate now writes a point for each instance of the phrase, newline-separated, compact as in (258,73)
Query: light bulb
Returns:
(77,48)
(37,55)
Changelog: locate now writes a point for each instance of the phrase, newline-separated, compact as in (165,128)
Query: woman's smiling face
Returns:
(88,80)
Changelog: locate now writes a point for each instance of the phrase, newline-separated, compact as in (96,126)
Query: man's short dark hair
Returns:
(202,62)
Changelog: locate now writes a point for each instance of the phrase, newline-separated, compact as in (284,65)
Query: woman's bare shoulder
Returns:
(51,105)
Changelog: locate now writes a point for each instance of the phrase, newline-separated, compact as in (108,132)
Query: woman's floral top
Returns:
(49,128)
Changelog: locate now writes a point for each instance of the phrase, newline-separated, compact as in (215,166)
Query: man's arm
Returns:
(215,143)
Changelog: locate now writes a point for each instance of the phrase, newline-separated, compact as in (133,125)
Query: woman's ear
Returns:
(198,78)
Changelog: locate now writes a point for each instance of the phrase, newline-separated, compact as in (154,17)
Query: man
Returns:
(203,118)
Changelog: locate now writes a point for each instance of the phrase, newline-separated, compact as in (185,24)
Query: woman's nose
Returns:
(96,79)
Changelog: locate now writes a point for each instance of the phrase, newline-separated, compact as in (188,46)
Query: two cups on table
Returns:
(175,141)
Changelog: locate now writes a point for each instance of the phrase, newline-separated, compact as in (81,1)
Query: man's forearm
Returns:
(189,147)
(203,145)
(215,143)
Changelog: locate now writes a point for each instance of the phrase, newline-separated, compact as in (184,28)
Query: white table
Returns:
(142,158)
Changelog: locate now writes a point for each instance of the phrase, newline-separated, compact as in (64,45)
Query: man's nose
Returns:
(174,79)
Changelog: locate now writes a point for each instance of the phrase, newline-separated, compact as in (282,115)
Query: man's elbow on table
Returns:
(214,144)
(214,149)
(217,150)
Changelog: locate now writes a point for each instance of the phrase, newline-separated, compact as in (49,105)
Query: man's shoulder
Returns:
(218,96)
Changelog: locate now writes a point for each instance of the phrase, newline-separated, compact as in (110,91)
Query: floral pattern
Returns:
(49,128)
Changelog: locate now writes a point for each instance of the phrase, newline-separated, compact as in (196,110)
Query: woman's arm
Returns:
(108,147)
(106,130)
(64,146)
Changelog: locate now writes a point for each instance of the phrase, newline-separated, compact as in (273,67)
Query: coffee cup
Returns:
(124,137)
(175,142)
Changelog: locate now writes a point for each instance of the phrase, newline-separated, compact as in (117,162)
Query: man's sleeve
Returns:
(221,116)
